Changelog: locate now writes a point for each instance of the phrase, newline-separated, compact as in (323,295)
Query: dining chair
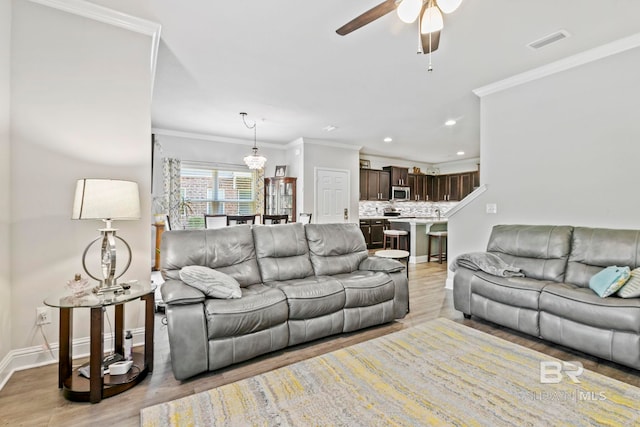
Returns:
(305,218)
(215,221)
(275,219)
(241,219)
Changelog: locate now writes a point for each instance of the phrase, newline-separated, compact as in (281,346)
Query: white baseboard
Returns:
(449,283)
(418,259)
(33,357)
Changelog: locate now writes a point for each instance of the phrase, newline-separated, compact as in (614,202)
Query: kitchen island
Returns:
(418,229)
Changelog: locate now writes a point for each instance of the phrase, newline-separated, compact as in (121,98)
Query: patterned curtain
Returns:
(258,179)
(171,184)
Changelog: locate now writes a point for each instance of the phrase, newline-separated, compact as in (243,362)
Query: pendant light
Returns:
(253,161)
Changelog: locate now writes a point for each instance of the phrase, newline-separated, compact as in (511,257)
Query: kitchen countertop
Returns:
(422,220)
(418,220)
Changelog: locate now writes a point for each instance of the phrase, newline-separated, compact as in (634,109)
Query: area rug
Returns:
(438,373)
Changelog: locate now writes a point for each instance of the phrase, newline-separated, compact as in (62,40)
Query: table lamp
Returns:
(106,200)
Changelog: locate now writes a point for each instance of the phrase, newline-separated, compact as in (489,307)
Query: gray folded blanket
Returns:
(487,262)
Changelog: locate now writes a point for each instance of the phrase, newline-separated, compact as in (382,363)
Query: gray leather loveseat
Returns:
(299,283)
(553,299)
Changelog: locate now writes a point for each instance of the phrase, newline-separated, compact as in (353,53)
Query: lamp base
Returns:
(109,289)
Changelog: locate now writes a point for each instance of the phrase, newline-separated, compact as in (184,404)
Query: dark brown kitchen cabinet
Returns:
(419,187)
(373,231)
(453,187)
(374,184)
(399,176)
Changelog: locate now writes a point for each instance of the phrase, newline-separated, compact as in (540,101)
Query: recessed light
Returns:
(460,153)
(450,122)
(329,128)
(388,139)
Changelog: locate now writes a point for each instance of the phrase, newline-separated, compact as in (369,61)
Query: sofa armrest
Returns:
(387,265)
(178,293)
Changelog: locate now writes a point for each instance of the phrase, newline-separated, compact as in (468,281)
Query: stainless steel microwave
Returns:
(400,193)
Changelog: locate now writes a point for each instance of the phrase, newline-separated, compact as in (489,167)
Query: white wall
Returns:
(560,150)
(457,166)
(80,107)
(5,182)
(295,167)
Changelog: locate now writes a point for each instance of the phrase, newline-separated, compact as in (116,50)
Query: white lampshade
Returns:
(448,6)
(409,10)
(431,20)
(106,199)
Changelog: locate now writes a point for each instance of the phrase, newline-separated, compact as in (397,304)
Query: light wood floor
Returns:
(31,397)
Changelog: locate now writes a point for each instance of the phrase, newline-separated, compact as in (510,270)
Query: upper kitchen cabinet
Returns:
(399,176)
(453,187)
(374,184)
(420,186)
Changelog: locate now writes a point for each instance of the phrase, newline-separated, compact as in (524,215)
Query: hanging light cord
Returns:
(255,138)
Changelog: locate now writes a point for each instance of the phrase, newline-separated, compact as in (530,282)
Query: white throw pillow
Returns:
(631,289)
(212,283)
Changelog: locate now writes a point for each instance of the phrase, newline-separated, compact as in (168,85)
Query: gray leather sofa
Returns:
(299,283)
(553,300)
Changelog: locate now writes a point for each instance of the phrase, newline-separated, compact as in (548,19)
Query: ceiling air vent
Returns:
(548,39)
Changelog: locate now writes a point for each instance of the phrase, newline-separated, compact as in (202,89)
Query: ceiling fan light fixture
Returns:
(409,10)
(431,20)
(448,6)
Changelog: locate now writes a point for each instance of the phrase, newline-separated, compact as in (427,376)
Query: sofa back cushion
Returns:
(335,248)
(540,251)
(282,252)
(229,250)
(596,248)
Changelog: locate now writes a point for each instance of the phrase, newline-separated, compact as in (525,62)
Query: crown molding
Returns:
(215,138)
(115,18)
(329,144)
(567,63)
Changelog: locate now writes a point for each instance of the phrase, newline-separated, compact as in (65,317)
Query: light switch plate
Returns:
(492,208)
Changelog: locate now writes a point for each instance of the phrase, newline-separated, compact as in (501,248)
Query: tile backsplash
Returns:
(417,209)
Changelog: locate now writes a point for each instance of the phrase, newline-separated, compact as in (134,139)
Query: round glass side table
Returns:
(99,385)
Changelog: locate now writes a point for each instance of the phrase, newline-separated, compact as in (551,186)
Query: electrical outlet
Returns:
(43,315)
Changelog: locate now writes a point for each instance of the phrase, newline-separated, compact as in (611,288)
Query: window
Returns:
(215,189)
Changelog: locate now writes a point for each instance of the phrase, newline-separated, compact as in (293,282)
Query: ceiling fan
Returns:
(427,12)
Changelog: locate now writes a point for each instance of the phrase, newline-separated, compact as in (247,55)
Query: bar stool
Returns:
(394,236)
(442,243)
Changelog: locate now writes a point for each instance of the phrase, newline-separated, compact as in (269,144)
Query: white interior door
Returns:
(332,196)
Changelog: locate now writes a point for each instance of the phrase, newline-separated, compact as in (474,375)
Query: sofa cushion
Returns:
(596,248)
(515,291)
(540,251)
(375,263)
(631,289)
(212,283)
(335,248)
(282,252)
(312,296)
(365,288)
(609,280)
(259,308)
(229,250)
(582,305)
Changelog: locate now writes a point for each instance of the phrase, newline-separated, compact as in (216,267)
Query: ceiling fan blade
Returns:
(435,41)
(367,17)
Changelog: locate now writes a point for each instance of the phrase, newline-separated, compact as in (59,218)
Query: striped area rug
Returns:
(438,373)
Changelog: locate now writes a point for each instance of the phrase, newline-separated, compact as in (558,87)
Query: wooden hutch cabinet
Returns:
(280,197)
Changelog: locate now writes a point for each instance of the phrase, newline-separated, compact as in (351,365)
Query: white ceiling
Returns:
(282,63)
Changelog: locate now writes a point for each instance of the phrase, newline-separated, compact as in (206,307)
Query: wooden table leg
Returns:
(66,341)
(96,355)
(119,329)
(149,328)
